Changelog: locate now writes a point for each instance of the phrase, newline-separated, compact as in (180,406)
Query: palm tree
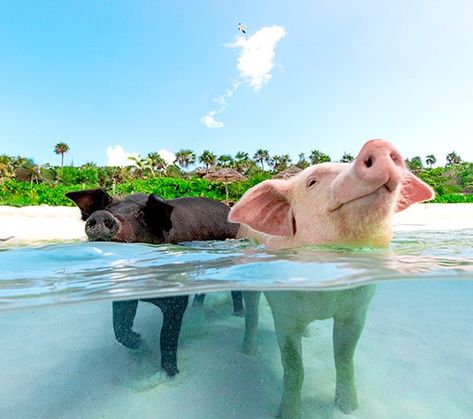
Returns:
(140,166)
(316,157)
(208,158)
(302,163)
(347,158)
(155,162)
(430,160)
(415,164)
(281,163)
(242,162)
(185,157)
(262,156)
(453,159)
(225,160)
(61,148)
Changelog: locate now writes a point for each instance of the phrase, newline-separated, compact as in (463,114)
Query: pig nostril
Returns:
(395,158)
(369,162)
(108,223)
(92,223)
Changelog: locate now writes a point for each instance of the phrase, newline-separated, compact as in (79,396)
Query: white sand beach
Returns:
(40,224)
(414,359)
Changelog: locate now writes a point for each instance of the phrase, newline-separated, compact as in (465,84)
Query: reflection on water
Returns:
(413,360)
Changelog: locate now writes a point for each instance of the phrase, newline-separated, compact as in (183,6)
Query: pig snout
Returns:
(101,226)
(378,165)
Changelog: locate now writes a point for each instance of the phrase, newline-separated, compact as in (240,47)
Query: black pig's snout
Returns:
(101,225)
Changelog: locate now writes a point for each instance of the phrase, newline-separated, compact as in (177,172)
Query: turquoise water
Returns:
(60,358)
(76,272)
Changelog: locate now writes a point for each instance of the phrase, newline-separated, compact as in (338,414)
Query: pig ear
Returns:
(90,201)
(157,214)
(266,208)
(413,190)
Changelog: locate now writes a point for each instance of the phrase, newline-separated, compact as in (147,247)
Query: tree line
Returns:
(456,177)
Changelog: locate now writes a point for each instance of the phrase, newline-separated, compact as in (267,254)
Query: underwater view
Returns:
(60,356)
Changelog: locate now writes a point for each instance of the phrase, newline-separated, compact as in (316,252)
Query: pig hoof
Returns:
(248,349)
(346,400)
(239,313)
(170,370)
(131,340)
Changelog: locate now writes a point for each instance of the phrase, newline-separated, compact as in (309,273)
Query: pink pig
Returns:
(346,203)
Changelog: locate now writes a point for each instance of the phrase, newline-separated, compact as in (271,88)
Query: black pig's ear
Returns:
(90,201)
(157,214)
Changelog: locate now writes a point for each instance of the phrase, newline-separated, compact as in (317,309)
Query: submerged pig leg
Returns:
(346,332)
(238,308)
(251,321)
(173,309)
(289,335)
(123,315)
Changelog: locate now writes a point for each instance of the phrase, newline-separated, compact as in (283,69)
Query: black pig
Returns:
(141,218)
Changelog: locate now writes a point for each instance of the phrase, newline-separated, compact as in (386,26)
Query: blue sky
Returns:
(143,74)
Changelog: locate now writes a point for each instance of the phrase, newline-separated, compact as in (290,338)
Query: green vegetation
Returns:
(22,182)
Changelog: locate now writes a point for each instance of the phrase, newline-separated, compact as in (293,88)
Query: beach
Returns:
(413,360)
(41,224)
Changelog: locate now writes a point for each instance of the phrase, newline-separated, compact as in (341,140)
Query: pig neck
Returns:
(379,237)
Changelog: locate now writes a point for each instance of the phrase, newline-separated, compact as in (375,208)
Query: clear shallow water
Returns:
(95,271)
(414,359)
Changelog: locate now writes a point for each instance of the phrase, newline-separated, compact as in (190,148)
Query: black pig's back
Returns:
(199,219)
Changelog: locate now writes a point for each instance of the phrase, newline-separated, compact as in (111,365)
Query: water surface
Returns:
(95,271)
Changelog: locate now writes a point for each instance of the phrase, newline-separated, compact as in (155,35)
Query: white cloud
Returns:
(254,63)
(210,122)
(258,51)
(168,156)
(117,156)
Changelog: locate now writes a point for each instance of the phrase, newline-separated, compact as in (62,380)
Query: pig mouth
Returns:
(383,188)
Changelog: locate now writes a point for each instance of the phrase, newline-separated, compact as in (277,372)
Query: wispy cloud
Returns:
(209,119)
(254,63)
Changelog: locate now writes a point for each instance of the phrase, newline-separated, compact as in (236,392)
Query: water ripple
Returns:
(66,273)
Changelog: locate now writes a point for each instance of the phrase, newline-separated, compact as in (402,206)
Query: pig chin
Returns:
(368,219)
(98,236)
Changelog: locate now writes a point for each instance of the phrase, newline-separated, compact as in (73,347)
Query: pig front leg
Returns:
(238,308)
(198,300)
(346,333)
(251,299)
(173,309)
(289,335)
(123,315)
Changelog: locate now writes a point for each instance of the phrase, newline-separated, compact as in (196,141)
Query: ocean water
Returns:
(59,357)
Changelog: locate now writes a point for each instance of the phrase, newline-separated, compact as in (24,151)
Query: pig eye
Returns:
(311,182)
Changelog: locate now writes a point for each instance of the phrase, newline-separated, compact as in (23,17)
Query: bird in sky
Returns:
(242,28)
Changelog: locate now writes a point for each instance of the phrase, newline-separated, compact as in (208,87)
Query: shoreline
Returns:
(47,224)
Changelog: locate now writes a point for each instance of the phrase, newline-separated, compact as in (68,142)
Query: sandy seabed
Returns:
(414,359)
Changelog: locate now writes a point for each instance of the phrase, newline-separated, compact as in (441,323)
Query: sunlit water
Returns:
(59,359)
